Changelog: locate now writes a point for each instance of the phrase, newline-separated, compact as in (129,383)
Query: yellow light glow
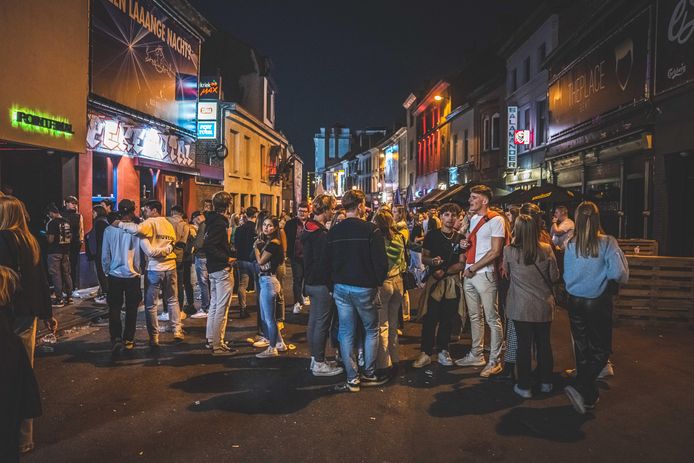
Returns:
(438,98)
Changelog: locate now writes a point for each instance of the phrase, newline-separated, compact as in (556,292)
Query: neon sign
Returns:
(40,122)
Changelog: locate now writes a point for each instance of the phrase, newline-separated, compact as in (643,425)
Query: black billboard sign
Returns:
(674,61)
(209,88)
(610,75)
(144,59)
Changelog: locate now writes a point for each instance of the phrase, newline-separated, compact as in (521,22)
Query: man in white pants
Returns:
(484,244)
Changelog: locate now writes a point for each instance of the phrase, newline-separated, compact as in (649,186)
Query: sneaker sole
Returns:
(374,383)
(575,399)
(335,373)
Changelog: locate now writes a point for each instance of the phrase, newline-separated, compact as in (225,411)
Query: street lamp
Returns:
(438,98)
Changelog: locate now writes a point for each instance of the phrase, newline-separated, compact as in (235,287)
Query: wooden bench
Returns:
(645,247)
(660,290)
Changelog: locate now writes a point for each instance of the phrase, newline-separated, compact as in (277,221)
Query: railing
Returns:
(639,247)
(660,289)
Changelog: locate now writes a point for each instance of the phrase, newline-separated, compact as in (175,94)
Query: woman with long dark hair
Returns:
(594,265)
(269,255)
(532,268)
(20,251)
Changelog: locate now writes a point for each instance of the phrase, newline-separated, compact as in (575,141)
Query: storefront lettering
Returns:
(674,73)
(118,137)
(581,90)
(35,121)
(680,28)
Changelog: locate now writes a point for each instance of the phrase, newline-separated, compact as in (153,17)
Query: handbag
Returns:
(408,279)
(559,293)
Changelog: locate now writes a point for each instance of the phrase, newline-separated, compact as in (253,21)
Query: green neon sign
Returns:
(30,120)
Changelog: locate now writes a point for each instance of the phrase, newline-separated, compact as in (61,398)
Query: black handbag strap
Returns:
(549,285)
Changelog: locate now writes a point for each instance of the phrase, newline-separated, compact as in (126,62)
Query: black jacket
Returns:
(34,297)
(357,254)
(216,244)
(74,218)
(290,230)
(244,238)
(315,241)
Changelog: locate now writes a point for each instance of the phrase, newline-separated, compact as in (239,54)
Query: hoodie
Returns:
(159,234)
(357,253)
(216,244)
(314,241)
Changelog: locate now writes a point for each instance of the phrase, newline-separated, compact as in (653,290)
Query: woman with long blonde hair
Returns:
(593,266)
(20,251)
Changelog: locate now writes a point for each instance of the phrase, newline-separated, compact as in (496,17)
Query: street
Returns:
(185,405)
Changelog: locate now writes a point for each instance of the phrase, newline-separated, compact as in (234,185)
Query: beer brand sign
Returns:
(512,151)
(612,74)
(674,61)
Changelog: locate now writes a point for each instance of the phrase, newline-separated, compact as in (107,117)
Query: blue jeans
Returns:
(269,291)
(203,282)
(222,284)
(353,304)
(247,270)
(162,281)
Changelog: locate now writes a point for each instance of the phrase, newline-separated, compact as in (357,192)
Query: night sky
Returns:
(355,62)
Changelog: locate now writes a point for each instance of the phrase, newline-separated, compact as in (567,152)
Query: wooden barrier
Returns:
(660,289)
(645,247)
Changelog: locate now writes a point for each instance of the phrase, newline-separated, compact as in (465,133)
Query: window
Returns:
(486,134)
(264,166)
(541,55)
(235,151)
(513,78)
(541,118)
(466,147)
(526,70)
(247,154)
(495,131)
(454,150)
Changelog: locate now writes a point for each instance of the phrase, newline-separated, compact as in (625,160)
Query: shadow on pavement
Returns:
(480,398)
(558,424)
(253,386)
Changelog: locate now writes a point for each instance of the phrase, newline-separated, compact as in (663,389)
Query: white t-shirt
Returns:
(494,228)
(567,225)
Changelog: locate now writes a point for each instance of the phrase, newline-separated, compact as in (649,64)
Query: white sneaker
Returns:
(492,368)
(297,308)
(281,346)
(267,353)
(199,314)
(471,360)
(164,317)
(546,388)
(262,342)
(100,300)
(607,371)
(525,393)
(306,300)
(325,369)
(422,361)
(76,294)
(445,359)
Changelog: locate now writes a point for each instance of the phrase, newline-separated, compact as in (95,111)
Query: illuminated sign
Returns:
(208,88)
(36,121)
(512,154)
(207,130)
(523,137)
(207,111)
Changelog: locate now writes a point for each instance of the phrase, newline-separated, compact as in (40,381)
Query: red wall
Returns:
(128,181)
(84,192)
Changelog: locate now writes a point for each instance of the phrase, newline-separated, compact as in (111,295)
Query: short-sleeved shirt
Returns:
(277,256)
(494,228)
(62,236)
(440,245)
(567,226)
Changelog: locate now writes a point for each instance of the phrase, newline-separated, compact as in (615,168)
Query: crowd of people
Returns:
(359,269)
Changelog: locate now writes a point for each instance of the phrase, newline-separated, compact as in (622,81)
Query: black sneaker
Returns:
(223,351)
(57,302)
(506,375)
(348,386)
(117,347)
(373,380)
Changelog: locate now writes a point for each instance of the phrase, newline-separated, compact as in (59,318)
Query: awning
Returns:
(211,172)
(154,164)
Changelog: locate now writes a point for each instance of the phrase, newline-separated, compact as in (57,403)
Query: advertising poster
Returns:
(145,60)
(674,60)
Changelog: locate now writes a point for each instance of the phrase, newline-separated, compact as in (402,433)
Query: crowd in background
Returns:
(358,269)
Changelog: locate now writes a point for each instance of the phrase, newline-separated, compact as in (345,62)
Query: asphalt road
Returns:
(186,406)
